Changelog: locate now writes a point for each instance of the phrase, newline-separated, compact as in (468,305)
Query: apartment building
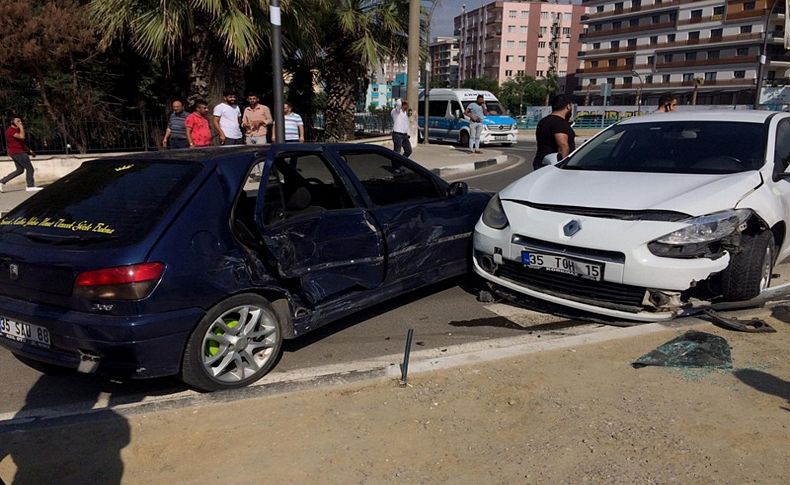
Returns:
(701,50)
(502,40)
(443,52)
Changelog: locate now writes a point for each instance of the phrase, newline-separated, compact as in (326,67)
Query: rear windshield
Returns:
(101,202)
(696,147)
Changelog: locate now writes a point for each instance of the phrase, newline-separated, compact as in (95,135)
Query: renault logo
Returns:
(572,228)
(13,271)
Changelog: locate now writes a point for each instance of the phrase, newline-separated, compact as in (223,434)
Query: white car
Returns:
(649,213)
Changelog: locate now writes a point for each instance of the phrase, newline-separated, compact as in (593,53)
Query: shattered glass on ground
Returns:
(692,349)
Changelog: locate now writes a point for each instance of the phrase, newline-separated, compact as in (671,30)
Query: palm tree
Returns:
(216,37)
(355,36)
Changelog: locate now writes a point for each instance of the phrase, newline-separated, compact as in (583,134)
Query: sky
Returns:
(442,24)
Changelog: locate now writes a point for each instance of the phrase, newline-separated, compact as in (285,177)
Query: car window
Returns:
(493,107)
(113,201)
(299,184)
(701,147)
(456,108)
(782,148)
(388,181)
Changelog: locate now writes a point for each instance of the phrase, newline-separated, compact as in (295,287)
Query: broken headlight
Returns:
(704,236)
(494,215)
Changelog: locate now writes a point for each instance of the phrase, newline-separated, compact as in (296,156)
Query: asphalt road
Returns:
(441,315)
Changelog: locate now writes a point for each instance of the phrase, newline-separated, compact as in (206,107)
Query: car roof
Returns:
(728,116)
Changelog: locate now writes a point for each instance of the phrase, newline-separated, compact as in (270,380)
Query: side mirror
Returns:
(457,188)
(457,113)
(551,159)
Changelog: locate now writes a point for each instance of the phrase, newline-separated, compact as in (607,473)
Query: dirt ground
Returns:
(565,416)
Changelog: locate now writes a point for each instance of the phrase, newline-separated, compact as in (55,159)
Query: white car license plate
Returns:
(500,137)
(561,264)
(24,332)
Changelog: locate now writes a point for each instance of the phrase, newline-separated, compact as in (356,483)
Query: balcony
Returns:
(643,8)
(746,14)
(677,84)
(722,61)
(700,20)
(607,69)
(709,43)
(626,30)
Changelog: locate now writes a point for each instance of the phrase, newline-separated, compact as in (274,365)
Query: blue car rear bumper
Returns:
(126,346)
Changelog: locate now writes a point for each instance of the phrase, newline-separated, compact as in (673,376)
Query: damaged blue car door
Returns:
(426,228)
(323,240)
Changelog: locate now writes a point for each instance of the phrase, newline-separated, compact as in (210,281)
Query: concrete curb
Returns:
(378,368)
(469,166)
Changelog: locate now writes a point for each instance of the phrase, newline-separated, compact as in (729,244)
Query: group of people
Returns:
(554,133)
(232,126)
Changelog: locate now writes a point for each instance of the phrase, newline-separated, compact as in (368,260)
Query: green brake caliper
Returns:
(212,346)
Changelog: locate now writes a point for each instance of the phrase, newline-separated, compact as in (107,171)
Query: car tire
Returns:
(236,343)
(750,270)
(43,367)
(463,139)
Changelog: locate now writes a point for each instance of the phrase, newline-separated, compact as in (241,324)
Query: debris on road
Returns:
(754,325)
(692,349)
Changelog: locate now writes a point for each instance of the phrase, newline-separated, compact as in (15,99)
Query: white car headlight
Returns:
(494,215)
(711,227)
(704,237)
(485,128)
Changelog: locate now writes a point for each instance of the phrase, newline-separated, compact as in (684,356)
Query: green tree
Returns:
(217,38)
(355,36)
(481,84)
(522,91)
(49,67)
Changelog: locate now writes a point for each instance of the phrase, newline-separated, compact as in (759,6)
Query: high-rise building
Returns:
(502,40)
(706,51)
(443,52)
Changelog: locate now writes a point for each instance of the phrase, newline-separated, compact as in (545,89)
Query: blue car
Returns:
(198,263)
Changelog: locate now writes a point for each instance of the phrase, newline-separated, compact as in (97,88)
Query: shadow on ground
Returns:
(765,383)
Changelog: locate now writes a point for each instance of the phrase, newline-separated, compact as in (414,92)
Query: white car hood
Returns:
(687,193)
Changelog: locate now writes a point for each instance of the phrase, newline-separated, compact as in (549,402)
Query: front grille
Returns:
(537,244)
(572,287)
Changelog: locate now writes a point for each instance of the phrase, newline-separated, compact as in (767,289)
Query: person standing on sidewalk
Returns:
(176,132)
(226,120)
(294,126)
(476,112)
(18,151)
(400,127)
(197,128)
(554,133)
(255,120)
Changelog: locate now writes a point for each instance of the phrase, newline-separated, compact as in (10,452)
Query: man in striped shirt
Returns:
(294,127)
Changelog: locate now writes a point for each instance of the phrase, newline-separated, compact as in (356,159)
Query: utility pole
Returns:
(277,70)
(428,67)
(413,71)
(764,55)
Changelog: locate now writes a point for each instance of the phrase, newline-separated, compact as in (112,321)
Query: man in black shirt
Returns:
(554,133)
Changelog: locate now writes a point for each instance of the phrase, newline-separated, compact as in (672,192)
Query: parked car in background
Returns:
(187,263)
(646,215)
(446,121)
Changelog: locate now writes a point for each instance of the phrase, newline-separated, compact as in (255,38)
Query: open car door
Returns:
(310,218)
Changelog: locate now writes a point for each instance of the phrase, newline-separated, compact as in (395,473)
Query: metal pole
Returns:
(763,57)
(277,70)
(404,367)
(638,93)
(428,66)
(145,131)
(413,71)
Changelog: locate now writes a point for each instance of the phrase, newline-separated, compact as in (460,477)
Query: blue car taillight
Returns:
(131,282)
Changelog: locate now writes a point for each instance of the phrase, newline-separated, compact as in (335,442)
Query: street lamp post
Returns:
(277,70)
(428,64)
(763,56)
(638,93)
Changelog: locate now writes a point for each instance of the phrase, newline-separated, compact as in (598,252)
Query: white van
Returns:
(446,120)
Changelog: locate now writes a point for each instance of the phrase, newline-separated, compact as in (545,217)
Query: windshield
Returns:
(698,147)
(493,107)
(112,201)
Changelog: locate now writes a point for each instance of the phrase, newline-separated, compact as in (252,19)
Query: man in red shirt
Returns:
(198,130)
(18,151)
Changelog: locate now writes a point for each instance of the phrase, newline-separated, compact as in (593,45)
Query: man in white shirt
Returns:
(400,127)
(226,120)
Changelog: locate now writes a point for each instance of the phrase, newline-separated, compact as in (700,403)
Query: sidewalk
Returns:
(441,159)
(570,415)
